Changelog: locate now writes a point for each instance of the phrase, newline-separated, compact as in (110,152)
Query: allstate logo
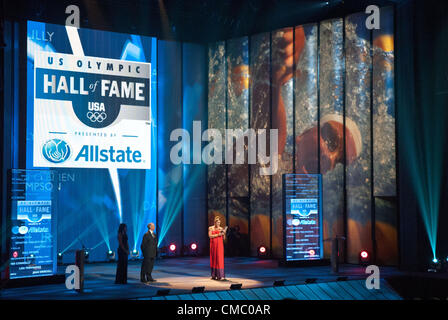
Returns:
(56,151)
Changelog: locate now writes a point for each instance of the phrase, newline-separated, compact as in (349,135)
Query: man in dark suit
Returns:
(149,251)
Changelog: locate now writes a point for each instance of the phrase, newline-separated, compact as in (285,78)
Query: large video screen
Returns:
(89,111)
(91,106)
(302,201)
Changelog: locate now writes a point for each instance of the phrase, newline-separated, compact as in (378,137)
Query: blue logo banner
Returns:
(96,98)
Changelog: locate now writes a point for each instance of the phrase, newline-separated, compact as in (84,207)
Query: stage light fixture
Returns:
(134,254)
(60,255)
(435,266)
(86,255)
(364,257)
(310,280)
(191,250)
(262,252)
(172,250)
(236,286)
(110,255)
(162,292)
(279,283)
(197,290)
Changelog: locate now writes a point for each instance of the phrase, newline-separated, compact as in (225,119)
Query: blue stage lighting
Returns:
(116,184)
(60,257)
(86,255)
(435,266)
(110,255)
(134,254)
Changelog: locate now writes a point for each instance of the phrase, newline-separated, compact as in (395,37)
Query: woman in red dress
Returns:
(217,236)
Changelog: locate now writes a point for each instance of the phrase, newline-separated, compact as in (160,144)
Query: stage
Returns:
(180,275)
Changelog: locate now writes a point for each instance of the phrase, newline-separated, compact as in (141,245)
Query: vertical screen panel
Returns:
(386,231)
(331,95)
(170,118)
(282,120)
(194,176)
(259,119)
(216,173)
(9,80)
(384,169)
(238,119)
(306,101)
(238,111)
(384,107)
(238,235)
(358,133)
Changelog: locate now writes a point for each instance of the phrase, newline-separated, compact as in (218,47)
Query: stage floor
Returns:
(180,275)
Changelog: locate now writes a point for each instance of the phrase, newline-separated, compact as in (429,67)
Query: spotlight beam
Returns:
(174,205)
(86,231)
(116,185)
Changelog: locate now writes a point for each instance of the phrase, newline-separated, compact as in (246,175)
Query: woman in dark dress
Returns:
(123,252)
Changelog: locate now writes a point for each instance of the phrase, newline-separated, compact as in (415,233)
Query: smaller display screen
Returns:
(32,252)
(303,217)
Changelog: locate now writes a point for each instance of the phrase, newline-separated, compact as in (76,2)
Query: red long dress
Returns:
(217,256)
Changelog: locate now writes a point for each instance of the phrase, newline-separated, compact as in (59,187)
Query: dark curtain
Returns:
(422,115)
